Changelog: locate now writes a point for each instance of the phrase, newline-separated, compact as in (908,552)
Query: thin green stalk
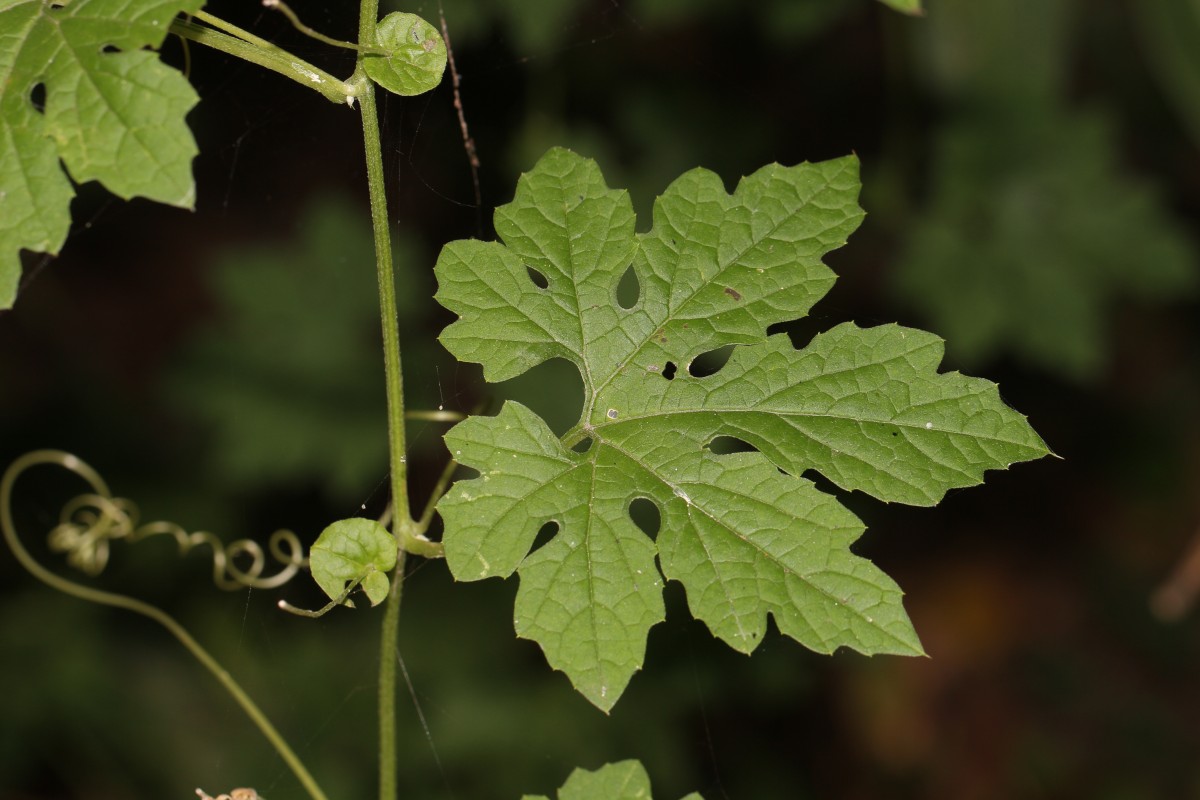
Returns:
(439,489)
(387,311)
(233,30)
(286,10)
(388,641)
(270,57)
(402,515)
(137,606)
(409,536)
(402,523)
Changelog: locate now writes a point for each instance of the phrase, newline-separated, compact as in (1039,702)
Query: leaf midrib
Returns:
(675,489)
(776,413)
(671,316)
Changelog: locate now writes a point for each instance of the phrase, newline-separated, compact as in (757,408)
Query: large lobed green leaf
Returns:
(743,532)
(113,113)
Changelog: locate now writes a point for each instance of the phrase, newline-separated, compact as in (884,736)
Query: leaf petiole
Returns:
(341,599)
(250,48)
(439,489)
(233,30)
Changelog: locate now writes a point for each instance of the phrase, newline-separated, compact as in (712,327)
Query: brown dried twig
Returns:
(455,82)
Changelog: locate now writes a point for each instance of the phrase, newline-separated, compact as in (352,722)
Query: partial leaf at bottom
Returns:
(622,780)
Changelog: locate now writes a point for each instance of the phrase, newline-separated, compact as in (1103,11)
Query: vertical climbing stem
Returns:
(388,785)
(401,516)
(402,524)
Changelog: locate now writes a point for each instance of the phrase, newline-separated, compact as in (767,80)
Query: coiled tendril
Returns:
(90,521)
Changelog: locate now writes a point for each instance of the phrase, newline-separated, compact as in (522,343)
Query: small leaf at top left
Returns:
(112,112)
(416,57)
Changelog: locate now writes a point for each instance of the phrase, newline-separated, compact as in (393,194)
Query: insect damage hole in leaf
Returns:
(539,280)
(745,535)
(645,515)
(724,445)
(37,97)
(544,535)
(711,362)
(629,289)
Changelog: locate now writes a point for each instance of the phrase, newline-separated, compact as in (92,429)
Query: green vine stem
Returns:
(402,516)
(8,527)
(388,646)
(250,48)
(394,377)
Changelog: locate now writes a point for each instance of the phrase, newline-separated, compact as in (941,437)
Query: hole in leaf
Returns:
(539,280)
(37,97)
(644,514)
(544,535)
(629,289)
(110,48)
(583,446)
(711,362)
(669,371)
(724,445)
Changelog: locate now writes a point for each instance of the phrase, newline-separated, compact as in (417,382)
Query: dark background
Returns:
(1032,180)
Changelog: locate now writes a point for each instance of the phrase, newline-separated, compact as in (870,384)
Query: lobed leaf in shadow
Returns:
(112,113)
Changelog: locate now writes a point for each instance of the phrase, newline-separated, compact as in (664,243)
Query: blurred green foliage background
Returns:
(1032,183)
